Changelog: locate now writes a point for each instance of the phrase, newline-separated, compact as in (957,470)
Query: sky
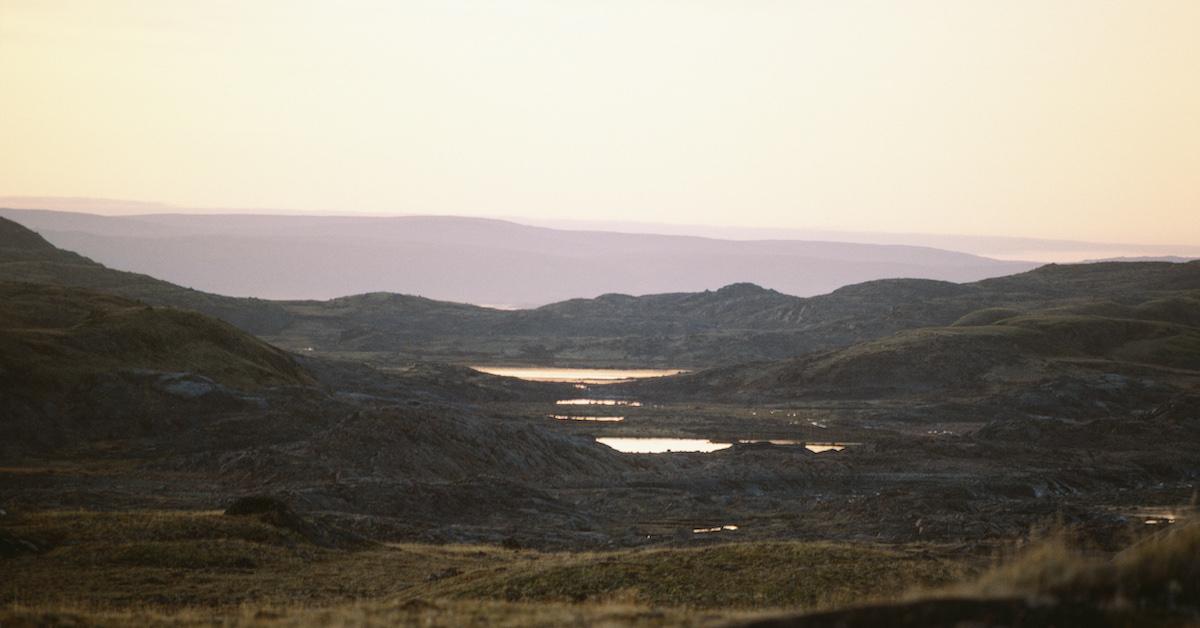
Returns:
(1038,118)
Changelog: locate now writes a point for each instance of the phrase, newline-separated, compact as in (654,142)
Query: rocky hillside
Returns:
(738,323)
(85,375)
(26,256)
(991,351)
(77,362)
(62,336)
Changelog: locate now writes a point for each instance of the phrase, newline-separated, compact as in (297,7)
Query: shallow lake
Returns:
(816,448)
(725,528)
(643,445)
(597,419)
(638,445)
(575,376)
(598,402)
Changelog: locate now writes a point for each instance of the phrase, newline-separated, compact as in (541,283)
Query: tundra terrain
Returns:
(1020,450)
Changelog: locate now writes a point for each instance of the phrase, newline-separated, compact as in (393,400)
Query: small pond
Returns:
(575,376)
(596,419)
(638,445)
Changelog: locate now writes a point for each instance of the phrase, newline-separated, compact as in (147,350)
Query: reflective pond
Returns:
(638,445)
(725,528)
(575,376)
(598,402)
(643,445)
(597,419)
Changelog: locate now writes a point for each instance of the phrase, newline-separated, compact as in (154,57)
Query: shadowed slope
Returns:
(741,322)
(1153,583)
(26,256)
(59,337)
(990,351)
(80,364)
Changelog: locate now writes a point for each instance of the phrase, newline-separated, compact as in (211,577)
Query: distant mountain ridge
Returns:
(737,323)
(28,257)
(1144,258)
(473,260)
(1000,247)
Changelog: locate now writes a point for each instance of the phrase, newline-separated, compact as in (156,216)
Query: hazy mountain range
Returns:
(1005,247)
(474,260)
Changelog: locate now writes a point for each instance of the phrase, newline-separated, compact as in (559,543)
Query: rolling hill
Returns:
(1114,347)
(737,323)
(79,334)
(471,260)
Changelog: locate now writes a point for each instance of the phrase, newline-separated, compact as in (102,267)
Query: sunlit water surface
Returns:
(637,445)
(643,445)
(598,402)
(820,447)
(596,419)
(725,528)
(575,376)
(816,448)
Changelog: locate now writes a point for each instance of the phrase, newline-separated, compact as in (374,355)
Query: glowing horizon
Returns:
(1064,119)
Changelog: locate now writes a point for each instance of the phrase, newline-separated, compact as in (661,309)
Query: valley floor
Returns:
(910,511)
(1017,451)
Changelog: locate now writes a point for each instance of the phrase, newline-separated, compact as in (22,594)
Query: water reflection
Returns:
(724,528)
(637,445)
(598,419)
(598,402)
(575,376)
(816,448)
(1157,516)
(642,445)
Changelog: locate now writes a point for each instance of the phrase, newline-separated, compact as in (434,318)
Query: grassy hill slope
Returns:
(741,322)
(987,351)
(54,336)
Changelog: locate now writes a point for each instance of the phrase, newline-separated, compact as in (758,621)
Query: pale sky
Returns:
(1044,118)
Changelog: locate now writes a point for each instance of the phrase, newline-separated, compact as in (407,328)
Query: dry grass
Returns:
(1161,572)
(202,567)
(727,576)
(378,613)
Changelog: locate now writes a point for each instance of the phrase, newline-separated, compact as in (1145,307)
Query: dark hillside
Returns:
(61,336)
(81,364)
(26,256)
(738,323)
(1003,352)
